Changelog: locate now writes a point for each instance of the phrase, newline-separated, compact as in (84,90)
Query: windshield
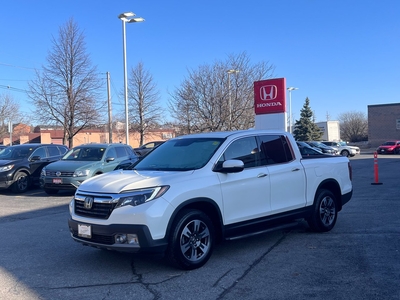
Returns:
(180,155)
(15,152)
(389,144)
(85,154)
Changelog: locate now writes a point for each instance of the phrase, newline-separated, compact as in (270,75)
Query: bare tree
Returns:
(9,112)
(211,99)
(353,126)
(145,111)
(65,92)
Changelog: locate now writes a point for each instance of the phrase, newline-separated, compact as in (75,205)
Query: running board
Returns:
(280,227)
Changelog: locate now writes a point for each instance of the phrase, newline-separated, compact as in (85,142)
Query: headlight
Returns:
(6,168)
(138,197)
(43,172)
(81,173)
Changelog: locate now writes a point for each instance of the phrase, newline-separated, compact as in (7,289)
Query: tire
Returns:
(345,153)
(50,192)
(325,212)
(21,182)
(191,241)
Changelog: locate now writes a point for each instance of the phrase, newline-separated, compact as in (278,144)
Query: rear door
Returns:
(286,174)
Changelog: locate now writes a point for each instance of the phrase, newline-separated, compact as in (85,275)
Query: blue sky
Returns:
(343,55)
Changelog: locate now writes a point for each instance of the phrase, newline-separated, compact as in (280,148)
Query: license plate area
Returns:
(57,180)
(85,231)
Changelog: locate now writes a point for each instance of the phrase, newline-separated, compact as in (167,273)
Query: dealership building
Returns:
(383,123)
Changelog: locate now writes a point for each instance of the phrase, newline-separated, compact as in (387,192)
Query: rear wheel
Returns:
(325,212)
(21,182)
(191,241)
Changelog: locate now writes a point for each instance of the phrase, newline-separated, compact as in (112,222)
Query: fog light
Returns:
(132,239)
(120,238)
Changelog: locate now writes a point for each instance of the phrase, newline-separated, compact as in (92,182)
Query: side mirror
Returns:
(108,159)
(231,166)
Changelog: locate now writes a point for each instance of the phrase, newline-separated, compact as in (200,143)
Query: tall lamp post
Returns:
(290,89)
(231,71)
(126,17)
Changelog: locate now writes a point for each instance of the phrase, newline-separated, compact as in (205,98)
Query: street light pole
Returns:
(232,71)
(126,18)
(290,89)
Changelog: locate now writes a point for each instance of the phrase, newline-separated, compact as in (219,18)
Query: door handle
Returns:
(262,175)
(295,169)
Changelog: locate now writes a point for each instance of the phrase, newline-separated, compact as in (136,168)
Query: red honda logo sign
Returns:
(270,96)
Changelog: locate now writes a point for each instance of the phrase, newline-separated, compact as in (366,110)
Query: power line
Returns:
(7,87)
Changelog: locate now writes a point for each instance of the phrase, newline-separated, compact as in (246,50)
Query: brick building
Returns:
(383,123)
(93,135)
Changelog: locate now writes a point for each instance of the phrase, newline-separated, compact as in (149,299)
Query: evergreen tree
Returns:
(305,128)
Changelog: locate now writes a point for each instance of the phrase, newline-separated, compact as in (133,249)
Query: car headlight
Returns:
(137,197)
(81,173)
(43,172)
(6,168)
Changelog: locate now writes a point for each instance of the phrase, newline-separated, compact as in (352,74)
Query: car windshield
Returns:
(85,154)
(180,155)
(15,152)
(320,145)
(389,144)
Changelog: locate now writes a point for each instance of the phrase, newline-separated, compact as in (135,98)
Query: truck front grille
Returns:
(94,206)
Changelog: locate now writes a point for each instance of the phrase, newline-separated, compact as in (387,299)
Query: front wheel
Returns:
(345,153)
(21,182)
(191,241)
(325,212)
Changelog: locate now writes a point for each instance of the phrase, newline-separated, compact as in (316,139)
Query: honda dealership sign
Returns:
(270,96)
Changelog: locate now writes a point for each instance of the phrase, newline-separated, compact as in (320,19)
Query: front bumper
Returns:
(103,237)
(66,183)
(6,180)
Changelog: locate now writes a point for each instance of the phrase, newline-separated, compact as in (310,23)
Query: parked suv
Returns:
(343,148)
(83,162)
(20,165)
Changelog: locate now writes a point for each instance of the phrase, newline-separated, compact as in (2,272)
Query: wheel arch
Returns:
(206,205)
(24,170)
(333,186)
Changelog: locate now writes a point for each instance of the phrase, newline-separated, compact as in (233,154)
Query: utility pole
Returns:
(110,139)
(10,130)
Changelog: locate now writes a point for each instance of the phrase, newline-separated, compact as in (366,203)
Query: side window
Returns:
(244,149)
(111,153)
(275,150)
(53,151)
(62,150)
(121,152)
(129,150)
(40,152)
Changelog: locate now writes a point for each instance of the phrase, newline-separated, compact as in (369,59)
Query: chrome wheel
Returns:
(191,241)
(324,214)
(327,211)
(195,240)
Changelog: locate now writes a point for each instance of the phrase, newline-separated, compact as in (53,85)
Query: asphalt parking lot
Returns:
(358,259)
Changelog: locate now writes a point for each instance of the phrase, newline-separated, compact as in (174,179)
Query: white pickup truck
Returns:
(195,190)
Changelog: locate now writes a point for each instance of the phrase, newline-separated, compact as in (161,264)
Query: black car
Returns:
(20,165)
(324,148)
(146,148)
